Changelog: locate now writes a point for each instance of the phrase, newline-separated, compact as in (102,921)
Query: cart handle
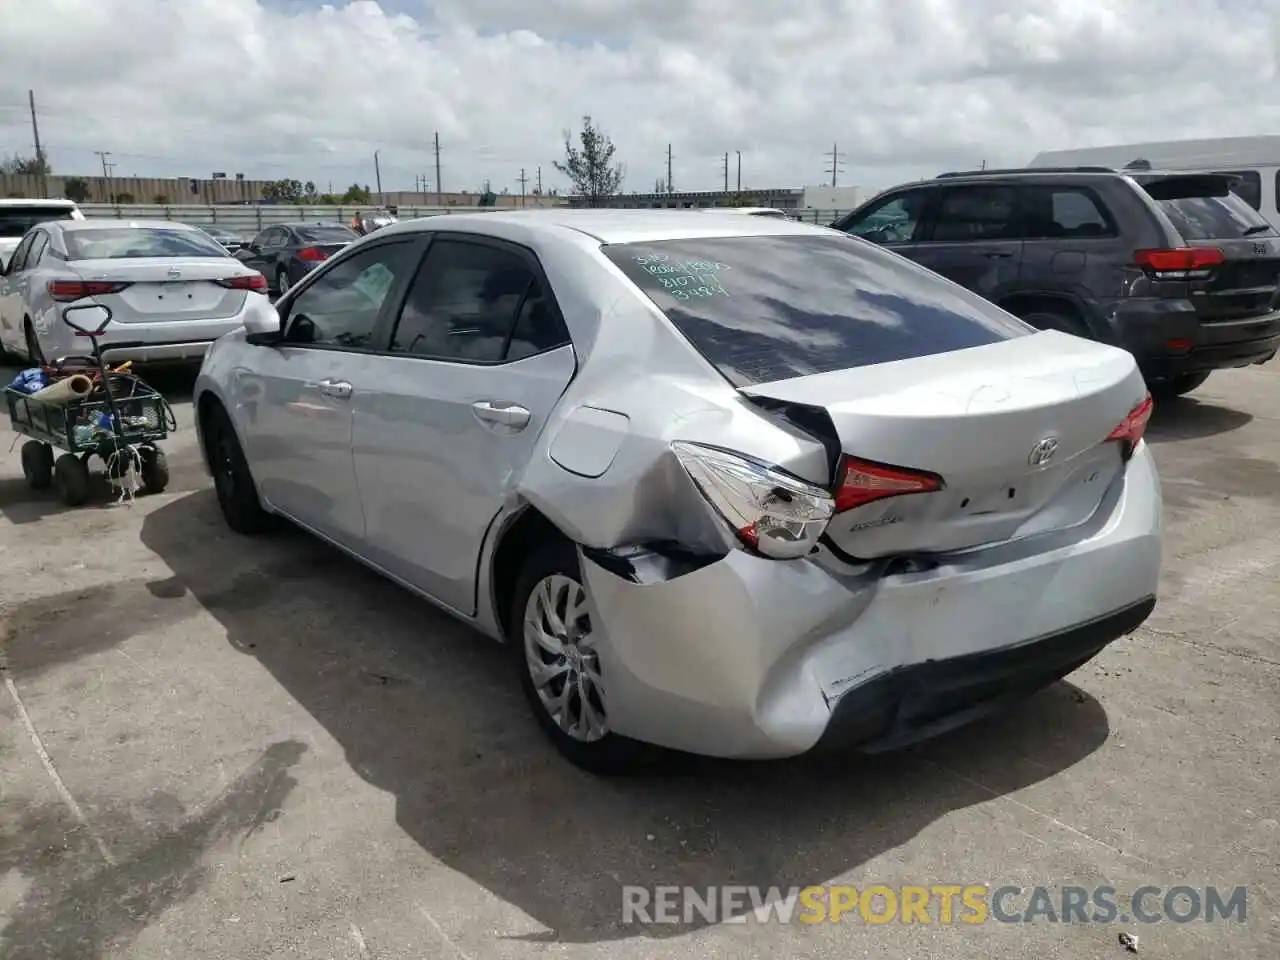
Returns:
(101,314)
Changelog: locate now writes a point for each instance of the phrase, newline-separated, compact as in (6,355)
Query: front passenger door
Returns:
(298,434)
(895,221)
(477,360)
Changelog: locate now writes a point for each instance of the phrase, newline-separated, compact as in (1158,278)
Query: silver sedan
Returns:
(733,485)
(172,290)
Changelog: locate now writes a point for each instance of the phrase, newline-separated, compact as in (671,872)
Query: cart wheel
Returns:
(71,477)
(155,470)
(37,464)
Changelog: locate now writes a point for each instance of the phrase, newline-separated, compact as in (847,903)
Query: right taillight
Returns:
(1131,429)
(312,254)
(774,513)
(1179,263)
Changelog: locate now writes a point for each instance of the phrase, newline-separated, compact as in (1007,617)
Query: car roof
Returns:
(75,226)
(31,202)
(610,225)
(294,224)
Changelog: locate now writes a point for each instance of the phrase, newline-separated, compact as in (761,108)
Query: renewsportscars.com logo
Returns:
(937,903)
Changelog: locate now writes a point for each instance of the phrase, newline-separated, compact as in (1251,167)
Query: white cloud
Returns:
(279,88)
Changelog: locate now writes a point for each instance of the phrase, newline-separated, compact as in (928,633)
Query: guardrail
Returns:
(252,219)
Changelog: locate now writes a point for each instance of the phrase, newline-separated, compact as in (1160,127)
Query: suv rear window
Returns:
(15,221)
(1205,208)
(761,309)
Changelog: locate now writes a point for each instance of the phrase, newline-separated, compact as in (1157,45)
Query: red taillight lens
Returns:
(254,281)
(312,254)
(65,291)
(1132,427)
(860,482)
(1179,259)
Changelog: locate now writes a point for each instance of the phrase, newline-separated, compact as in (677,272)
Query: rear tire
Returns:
(1044,320)
(71,477)
(232,480)
(552,580)
(35,355)
(37,464)
(1176,386)
(155,470)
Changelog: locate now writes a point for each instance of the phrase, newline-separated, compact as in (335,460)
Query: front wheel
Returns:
(71,478)
(1176,386)
(553,642)
(232,482)
(37,464)
(155,470)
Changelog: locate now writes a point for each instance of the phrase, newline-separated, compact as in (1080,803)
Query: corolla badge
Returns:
(1043,452)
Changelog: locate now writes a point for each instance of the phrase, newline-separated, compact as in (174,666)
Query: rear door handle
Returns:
(338,389)
(997,255)
(508,415)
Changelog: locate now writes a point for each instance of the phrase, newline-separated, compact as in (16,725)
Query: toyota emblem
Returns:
(1043,452)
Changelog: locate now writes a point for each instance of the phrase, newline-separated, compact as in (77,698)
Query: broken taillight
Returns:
(1131,429)
(774,513)
(859,482)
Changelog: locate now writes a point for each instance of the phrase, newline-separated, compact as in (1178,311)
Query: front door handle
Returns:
(997,255)
(338,389)
(508,415)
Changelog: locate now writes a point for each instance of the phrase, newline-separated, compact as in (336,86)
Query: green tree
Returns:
(309,190)
(590,166)
(357,194)
(18,165)
(284,191)
(76,188)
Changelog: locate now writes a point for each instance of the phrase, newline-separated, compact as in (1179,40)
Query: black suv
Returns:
(1173,267)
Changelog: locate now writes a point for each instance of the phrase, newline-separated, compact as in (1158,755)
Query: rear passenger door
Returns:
(974,238)
(1072,245)
(475,361)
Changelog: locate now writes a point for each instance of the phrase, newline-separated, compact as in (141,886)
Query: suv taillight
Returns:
(1179,263)
(777,515)
(1130,431)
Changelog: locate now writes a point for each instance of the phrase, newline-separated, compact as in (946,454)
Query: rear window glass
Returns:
(770,308)
(16,221)
(1205,208)
(123,243)
(325,234)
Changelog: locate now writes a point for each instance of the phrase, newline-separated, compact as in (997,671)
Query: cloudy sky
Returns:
(300,88)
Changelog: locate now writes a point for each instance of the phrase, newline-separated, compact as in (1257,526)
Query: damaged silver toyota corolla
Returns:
(732,485)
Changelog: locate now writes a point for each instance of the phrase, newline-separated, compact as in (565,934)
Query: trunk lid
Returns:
(1246,284)
(161,289)
(981,419)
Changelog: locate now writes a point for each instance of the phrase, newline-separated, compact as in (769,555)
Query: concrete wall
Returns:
(834,198)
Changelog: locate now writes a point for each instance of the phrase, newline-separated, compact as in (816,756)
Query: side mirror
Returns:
(88,319)
(262,324)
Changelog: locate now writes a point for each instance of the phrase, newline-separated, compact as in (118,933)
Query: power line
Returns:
(837,164)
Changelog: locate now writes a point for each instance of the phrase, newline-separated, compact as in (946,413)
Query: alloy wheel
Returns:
(562,660)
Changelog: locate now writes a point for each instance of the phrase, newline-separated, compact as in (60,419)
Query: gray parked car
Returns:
(172,290)
(733,485)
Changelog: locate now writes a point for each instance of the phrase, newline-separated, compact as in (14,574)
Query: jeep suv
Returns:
(1173,267)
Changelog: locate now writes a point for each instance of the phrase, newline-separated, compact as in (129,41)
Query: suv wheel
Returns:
(1176,386)
(1058,321)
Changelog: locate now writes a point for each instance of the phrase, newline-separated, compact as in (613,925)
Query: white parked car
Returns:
(172,289)
(17,216)
(733,485)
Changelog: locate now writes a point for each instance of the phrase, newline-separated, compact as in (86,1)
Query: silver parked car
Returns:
(734,485)
(171,288)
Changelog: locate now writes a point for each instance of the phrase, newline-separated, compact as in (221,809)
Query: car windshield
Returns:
(325,234)
(769,308)
(16,221)
(1205,208)
(123,243)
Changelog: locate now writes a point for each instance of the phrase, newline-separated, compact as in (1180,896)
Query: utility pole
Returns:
(523,181)
(726,171)
(836,163)
(35,135)
(107,165)
(539,187)
(377,173)
(739,152)
(439,200)
(670,188)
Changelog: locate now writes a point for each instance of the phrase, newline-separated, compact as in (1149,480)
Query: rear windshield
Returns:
(122,243)
(16,221)
(769,308)
(1205,208)
(325,234)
